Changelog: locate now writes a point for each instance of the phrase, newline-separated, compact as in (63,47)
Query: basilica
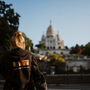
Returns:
(53,42)
(55,45)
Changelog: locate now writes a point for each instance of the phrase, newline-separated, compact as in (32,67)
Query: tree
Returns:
(80,51)
(58,62)
(86,50)
(76,49)
(72,50)
(9,22)
(28,43)
(66,47)
(82,47)
(56,59)
(40,46)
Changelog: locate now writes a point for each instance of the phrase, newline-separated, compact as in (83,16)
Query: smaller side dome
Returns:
(43,37)
(58,37)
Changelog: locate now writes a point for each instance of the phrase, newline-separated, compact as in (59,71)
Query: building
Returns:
(75,62)
(53,42)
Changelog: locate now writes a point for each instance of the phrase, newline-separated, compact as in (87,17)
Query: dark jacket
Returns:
(20,70)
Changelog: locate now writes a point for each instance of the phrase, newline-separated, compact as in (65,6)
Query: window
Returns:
(53,47)
(50,41)
(59,47)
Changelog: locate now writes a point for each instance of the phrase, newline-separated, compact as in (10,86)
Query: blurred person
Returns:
(19,67)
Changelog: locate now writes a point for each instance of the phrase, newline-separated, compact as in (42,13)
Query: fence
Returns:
(68,79)
(68,75)
(67,70)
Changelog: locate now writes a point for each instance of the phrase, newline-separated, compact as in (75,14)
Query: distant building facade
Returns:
(76,62)
(53,42)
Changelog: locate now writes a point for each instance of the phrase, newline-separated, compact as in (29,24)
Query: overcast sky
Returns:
(70,17)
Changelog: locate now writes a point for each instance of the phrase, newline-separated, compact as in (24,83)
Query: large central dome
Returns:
(51,30)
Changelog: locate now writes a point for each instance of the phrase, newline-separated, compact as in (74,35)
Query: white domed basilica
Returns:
(52,41)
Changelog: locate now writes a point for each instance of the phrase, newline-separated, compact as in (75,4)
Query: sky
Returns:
(70,17)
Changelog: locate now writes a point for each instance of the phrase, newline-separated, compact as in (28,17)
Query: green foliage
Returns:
(86,50)
(9,22)
(28,43)
(82,47)
(66,47)
(76,55)
(56,56)
(40,46)
(59,61)
(76,49)
(55,59)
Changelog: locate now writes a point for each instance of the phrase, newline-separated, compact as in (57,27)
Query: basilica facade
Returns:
(53,42)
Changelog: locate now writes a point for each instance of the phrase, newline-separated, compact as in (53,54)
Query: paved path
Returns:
(64,89)
(69,87)
(60,86)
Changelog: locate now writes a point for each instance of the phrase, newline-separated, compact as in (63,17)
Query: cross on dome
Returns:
(58,32)
(50,22)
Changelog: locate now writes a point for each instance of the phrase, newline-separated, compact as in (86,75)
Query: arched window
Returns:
(50,41)
(59,47)
(50,47)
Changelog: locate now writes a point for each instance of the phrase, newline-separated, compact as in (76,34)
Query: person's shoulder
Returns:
(26,51)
